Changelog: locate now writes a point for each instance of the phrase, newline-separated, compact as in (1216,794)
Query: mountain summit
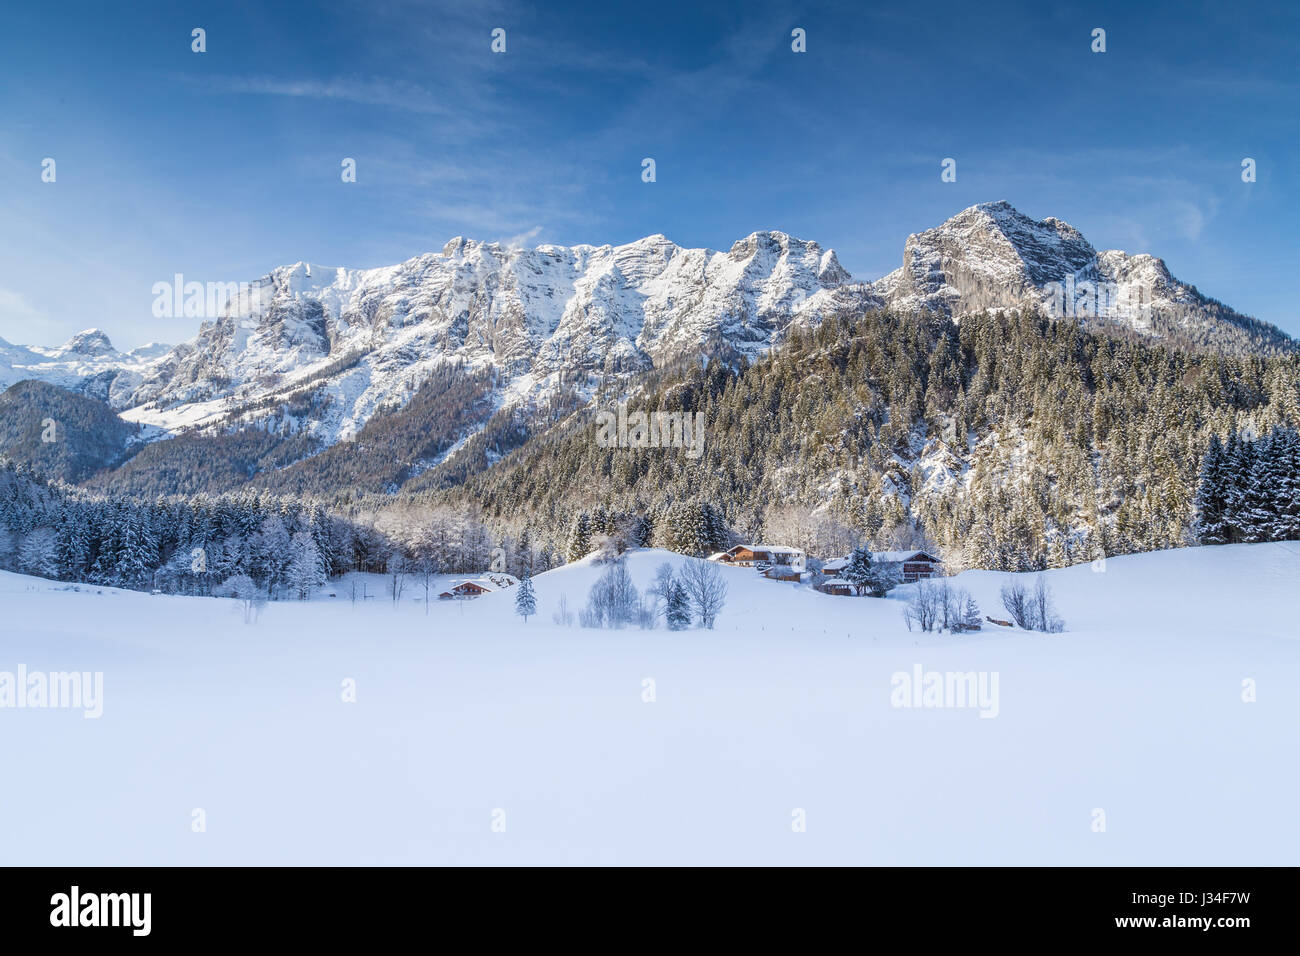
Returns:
(992,256)
(350,342)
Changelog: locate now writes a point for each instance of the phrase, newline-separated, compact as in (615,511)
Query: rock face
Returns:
(370,337)
(322,349)
(992,256)
(987,256)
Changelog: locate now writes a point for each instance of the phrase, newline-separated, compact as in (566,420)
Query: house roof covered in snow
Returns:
(836,565)
(893,557)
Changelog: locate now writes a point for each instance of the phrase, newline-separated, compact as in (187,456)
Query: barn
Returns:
(836,586)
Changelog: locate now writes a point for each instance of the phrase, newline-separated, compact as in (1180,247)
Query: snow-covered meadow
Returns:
(476,738)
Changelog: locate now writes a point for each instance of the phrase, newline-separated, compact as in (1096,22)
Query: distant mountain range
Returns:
(316,352)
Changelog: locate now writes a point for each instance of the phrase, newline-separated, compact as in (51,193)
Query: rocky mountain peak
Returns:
(91,342)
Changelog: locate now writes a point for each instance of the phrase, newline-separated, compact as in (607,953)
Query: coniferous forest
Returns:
(1009,442)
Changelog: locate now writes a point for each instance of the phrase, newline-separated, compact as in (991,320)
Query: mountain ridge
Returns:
(345,344)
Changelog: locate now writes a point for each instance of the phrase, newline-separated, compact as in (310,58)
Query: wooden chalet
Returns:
(916,565)
(465,590)
(764,557)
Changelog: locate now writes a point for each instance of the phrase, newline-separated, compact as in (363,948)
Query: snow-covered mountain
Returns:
(354,341)
(992,256)
(85,363)
(368,338)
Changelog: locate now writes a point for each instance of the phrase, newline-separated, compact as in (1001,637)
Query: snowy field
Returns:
(466,717)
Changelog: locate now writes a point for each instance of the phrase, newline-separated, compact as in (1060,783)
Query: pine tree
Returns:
(135,564)
(1286,493)
(521,564)
(525,599)
(306,569)
(642,532)
(678,609)
(74,547)
(1239,462)
(271,553)
(39,552)
(580,538)
(858,571)
(1256,516)
(1211,526)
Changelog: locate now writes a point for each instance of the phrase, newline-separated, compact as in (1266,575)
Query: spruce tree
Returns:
(525,599)
(580,538)
(858,571)
(678,608)
(306,569)
(1211,526)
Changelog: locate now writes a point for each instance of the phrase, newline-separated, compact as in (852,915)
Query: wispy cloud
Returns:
(366,91)
(523,239)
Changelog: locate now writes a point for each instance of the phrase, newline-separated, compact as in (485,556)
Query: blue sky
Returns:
(224,164)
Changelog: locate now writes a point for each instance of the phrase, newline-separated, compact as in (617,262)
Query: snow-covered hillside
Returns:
(468,716)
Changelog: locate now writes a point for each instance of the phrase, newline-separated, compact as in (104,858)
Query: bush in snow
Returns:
(970,614)
(938,606)
(1032,610)
(958,610)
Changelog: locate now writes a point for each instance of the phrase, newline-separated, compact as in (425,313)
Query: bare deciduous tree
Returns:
(244,590)
(925,607)
(705,588)
(613,600)
(397,575)
(1034,611)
